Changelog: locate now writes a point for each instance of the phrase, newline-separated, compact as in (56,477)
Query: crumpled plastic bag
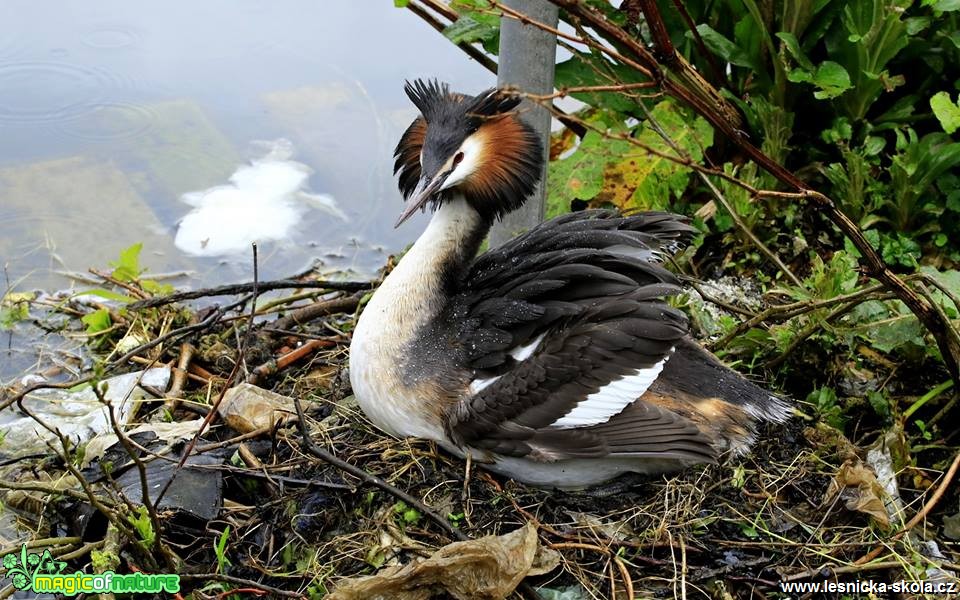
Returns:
(489,568)
(858,487)
(246,407)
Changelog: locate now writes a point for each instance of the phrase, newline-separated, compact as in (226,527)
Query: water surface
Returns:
(112,111)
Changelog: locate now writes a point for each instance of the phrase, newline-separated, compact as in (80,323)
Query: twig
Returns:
(158,546)
(471,50)
(273,367)
(209,321)
(624,574)
(317,310)
(810,329)
(139,293)
(180,374)
(244,288)
(81,551)
(718,71)
(44,385)
(784,312)
(372,479)
(41,543)
(579,89)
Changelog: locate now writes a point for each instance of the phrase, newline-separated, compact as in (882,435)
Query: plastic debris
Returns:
(573,592)
(880,460)
(488,568)
(860,491)
(169,433)
(78,415)
(246,407)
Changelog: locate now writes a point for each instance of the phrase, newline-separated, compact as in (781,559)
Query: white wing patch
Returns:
(478,384)
(522,353)
(519,354)
(611,399)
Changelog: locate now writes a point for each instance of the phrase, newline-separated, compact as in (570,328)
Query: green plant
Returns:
(142,524)
(220,549)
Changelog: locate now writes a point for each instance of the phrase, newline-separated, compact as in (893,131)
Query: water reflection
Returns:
(120,108)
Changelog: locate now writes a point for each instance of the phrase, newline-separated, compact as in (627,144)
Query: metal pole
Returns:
(527,60)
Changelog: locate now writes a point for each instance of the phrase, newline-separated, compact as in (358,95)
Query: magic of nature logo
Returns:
(42,573)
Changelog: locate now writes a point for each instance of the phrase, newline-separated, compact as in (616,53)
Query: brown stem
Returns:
(718,71)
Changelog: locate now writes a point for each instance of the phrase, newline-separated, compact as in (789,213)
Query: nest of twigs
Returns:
(293,522)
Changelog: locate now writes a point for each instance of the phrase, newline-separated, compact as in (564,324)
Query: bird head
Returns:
(475,146)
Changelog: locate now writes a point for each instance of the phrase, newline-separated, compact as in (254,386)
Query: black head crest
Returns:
(492,103)
(429,96)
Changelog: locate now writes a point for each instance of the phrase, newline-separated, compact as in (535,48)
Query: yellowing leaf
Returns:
(607,169)
(641,180)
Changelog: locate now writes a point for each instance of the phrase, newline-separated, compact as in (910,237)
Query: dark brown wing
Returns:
(566,327)
(555,272)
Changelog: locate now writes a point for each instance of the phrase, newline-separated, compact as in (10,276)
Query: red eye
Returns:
(457,158)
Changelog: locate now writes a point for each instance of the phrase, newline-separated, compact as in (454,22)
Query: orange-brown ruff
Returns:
(555,358)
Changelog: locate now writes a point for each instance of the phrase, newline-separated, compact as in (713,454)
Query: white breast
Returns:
(405,301)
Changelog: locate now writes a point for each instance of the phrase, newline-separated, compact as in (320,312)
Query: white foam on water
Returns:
(262,202)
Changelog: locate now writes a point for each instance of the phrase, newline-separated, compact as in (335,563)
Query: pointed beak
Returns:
(425,190)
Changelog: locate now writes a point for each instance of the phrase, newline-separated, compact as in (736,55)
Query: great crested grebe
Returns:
(554,358)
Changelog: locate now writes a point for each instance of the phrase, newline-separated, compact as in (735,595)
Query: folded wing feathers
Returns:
(582,296)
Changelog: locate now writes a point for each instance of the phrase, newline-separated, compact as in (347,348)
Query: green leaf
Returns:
(720,45)
(946,111)
(880,404)
(608,169)
(579,176)
(97,320)
(949,280)
(943,5)
(832,79)
(475,24)
(916,24)
(467,29)
(873,145)
(953,201)
(793,47)
(128,267)
(870,36)
(661,179)
(401,3)
(155,287)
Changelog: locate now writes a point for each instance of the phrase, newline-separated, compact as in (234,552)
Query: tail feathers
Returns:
(723,403)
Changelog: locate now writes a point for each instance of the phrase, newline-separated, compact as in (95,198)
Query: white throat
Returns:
(415,281)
